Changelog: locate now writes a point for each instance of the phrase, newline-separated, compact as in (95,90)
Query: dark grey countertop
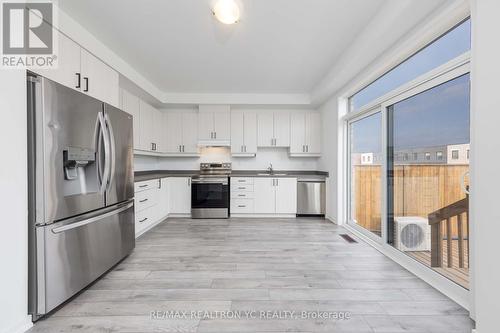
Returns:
(155,174)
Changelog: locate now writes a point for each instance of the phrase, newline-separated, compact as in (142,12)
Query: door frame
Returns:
(347,149)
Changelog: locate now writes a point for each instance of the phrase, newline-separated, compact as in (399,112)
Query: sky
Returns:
(439,116)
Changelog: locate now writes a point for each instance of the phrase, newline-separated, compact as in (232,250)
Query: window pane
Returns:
(427,204)
(365,151)
(442,50)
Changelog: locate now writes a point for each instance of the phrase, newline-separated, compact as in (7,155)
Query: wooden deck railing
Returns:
(446,214)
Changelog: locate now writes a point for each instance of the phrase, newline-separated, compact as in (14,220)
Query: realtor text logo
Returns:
(27,35)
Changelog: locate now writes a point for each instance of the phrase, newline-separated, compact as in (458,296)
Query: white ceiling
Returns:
(279,47)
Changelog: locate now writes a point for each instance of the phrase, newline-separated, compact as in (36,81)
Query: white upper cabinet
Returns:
(273,129)
(150,127)
(98,79)
(131,104)
(214,123)
(179,133)
(206,126)
(313,133)
(298,133)
(237,133)
(243,133)
(82,71)
(172,132)
(189,133)
(67,72)
(265,129)
(305,134)
(281,129)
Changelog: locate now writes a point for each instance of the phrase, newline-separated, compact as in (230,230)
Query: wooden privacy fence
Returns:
(418,191)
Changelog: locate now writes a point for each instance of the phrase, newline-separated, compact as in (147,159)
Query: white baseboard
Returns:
(273,216)
(331,219)
(20,327)
(178,216)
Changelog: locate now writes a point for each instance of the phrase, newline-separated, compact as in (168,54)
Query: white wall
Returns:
(277,156)
(14,203)
(329,158)
(485,179)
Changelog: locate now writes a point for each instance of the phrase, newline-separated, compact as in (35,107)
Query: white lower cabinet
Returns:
(180,196)
(146,205)
(152,204)
(263,196)
(163,198)
(286,195)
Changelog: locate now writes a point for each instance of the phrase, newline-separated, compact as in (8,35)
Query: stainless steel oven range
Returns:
(210,191)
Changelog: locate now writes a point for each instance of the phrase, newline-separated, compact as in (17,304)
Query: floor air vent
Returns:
(348,238)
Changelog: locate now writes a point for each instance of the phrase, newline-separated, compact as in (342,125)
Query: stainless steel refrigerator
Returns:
(81,208)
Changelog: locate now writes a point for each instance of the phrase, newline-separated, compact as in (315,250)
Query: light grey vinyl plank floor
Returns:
(212,270)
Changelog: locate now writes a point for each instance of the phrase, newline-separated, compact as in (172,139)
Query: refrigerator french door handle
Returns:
(91,220)
(113,149)
(105,137)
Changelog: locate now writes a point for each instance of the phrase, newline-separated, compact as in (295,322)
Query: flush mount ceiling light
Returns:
(226,11)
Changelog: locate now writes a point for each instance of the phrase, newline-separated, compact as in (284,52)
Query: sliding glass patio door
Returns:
(428,150)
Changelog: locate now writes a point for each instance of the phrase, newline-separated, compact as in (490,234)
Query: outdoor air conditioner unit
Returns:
(412,233)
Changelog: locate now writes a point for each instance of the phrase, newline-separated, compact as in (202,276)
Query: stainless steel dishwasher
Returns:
(311,196)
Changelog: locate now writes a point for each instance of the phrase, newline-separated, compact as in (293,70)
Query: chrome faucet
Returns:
(270,168)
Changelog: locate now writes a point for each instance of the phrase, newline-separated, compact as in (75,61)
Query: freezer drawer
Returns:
(311,197)
(77,252)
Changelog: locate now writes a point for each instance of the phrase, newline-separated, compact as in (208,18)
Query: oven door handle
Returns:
(199,181)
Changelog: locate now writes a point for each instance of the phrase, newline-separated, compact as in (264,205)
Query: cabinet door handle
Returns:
(79,82)
(144,200)
(245,148)
(180,150)
(145,185)
(241,181)
(277,182)
(215,135)
(143,220)
(307,148)
(241,188)
(86,79)
(189,181)
(241,206)
(241,195)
